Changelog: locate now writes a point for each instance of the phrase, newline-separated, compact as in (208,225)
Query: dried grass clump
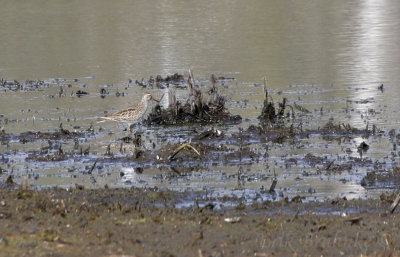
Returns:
(195,109)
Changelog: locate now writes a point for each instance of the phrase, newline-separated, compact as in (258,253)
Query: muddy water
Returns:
(320,55)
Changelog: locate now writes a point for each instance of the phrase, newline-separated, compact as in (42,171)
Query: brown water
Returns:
(317,53)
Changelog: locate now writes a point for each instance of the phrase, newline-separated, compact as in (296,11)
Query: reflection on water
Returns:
(290,41)
(371,35)
(327,56)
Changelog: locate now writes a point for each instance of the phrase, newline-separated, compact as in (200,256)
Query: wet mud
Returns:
(206,148)
(135,222)
(247,207)
(209,144)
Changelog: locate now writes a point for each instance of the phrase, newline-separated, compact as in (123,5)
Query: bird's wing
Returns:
(117,114)
(103,119)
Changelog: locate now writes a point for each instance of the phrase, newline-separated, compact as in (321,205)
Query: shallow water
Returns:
(320,55)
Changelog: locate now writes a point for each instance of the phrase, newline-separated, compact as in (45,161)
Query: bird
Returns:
(131,114)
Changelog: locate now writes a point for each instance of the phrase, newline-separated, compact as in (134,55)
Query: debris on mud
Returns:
(210,133)
(270,115)
(10,181)
(280,132)
(180,148)
(363,147)
(313,160)
(194,155)
(81,93)
(28,85)
(103,93)
(331,129)
(161,82)
(195,110)
(272,123)
(382,178)
(44,156)
(29,136)
(174,79)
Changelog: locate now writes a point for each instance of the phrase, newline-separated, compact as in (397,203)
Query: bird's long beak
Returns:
(152,98)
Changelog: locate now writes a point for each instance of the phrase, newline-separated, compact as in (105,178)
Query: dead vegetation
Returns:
(196,108)
(30,136)
(272,116)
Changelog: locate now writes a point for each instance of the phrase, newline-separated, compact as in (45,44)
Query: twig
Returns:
(291,107)
(395,203)
(92,168)
(354,221)
(175,171)
(301,108)
(180,148)
(273,185)
(329,165)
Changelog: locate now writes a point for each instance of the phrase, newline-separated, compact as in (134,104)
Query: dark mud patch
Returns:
(325,166)
(62,134)
(276,134)
(132,222)
(195,155)
(31,136)
(313,160)
(39,85)
(280,133)
(332,130)
(177,80)
(208,154)
(161,82)
(44,156)
(382,178)
(29,85)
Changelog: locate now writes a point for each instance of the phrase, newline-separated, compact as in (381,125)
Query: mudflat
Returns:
(137,222)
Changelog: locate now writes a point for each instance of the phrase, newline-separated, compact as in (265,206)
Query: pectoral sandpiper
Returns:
(132,114)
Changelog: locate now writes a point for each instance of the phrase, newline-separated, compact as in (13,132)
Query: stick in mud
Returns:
(268,112)
(301,108)
(92,168)
(174,170)
(180,148)
(395,203)
(273,185)
(329,165)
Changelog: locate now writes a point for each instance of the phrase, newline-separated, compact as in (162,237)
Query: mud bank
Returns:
(133,222)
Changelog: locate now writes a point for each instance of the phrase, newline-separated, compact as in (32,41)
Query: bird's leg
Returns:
(131,128)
